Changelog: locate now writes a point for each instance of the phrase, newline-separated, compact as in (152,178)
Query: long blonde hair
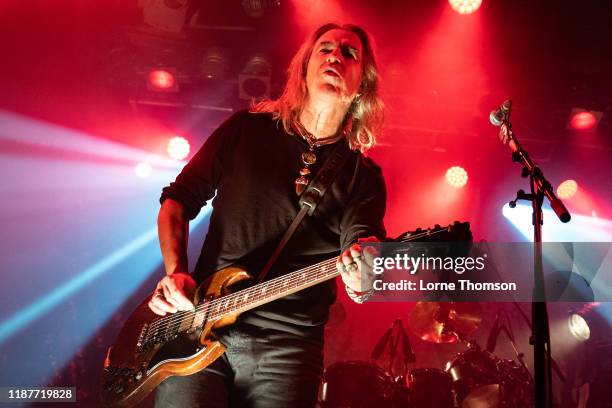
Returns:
(364,117)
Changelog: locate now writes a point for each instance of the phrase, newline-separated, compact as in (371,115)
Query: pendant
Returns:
(309,158)
(300,185)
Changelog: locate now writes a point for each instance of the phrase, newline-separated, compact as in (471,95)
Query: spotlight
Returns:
(456,176)
(254,80)
(582,119)
(215,63)
(162,80)
(578,327)
(465,6)
(143,170)
(567,189)
(178,148)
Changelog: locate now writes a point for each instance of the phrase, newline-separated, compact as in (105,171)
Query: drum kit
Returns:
(473,378)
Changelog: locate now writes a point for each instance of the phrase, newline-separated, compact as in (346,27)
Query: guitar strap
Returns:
(310,198)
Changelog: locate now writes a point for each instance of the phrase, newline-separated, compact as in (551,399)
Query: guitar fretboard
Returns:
(241,301)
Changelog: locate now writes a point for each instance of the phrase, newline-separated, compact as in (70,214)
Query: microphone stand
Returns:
(540,188)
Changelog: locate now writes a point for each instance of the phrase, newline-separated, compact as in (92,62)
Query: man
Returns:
(258,163)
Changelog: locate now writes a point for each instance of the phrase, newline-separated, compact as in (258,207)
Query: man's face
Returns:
(335,67)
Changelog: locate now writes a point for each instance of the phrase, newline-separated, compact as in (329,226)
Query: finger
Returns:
(355,251)
(171,298)
(163,303)
(155,309)
(180,300)
(369,253)
(170,293)
(177,293)
(340,266)
(346,257)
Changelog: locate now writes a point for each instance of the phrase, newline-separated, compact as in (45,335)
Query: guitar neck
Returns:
(243,300)
(268,291)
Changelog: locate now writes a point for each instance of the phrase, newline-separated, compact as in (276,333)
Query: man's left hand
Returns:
(355,265)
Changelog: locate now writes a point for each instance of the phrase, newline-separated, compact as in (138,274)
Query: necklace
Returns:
(309,157)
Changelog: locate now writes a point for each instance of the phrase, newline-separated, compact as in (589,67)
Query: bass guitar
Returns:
(151,348)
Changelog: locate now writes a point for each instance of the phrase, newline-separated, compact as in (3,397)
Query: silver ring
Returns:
(351,267)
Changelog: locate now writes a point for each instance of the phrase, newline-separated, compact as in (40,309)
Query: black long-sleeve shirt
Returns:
(251,164)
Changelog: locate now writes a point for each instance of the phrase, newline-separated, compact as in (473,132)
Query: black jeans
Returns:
(262,368)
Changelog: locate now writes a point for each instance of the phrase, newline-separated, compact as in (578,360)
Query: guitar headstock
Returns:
(455,232)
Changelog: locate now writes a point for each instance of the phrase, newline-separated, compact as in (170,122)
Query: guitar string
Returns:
(270,286)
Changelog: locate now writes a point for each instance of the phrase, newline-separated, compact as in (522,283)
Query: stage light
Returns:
(578,327)
(584,228)
(456,176)
(162,80)
(254,80)
(143,170)
(215,63)
(178,148)
(582,119)
(567,189)
(465,6)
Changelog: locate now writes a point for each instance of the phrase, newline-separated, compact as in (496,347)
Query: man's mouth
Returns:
(332,72)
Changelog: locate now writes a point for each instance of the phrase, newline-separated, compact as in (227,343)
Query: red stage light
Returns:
(161,79)
(456,176)
(465,6)
(583,120)
(567,189)
(178,148)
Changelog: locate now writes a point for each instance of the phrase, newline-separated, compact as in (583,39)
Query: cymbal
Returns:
(445,322)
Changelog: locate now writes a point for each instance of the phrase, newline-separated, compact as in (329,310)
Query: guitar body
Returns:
(134,367)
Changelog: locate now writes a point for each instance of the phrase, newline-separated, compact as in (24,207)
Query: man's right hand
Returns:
(173,293)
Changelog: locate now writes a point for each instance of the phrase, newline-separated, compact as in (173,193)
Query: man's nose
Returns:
(335,57)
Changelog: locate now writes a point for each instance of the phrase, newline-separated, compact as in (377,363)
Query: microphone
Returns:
(497,117)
